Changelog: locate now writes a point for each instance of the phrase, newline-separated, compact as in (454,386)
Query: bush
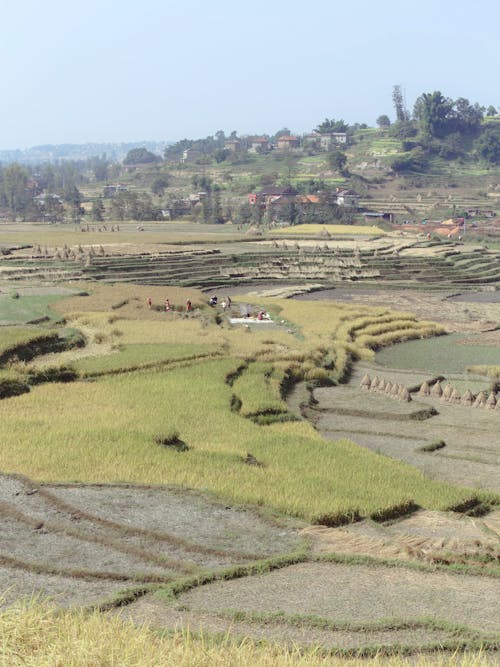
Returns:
(171,440)
(10,387)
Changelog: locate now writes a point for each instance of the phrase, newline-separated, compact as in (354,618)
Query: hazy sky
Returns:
(75,71)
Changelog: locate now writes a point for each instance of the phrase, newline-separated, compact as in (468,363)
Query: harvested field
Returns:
(433,305)
(384,425)
(63,539)
(348,595)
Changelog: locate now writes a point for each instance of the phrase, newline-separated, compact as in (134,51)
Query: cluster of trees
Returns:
(133,206)
(441,126)
(35,196)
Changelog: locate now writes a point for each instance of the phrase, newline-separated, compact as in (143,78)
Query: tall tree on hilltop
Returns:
(402,114)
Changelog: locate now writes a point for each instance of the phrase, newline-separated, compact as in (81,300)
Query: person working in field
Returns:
(167,305)
(150,302)
(189,306)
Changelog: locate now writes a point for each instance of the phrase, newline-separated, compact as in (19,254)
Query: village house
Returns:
(258,145)
(272,195)
(326,141)
(287,142)
(190,155)
(113,189)
(347,198)
(233,145)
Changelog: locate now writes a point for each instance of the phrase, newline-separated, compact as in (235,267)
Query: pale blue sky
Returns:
(76,71)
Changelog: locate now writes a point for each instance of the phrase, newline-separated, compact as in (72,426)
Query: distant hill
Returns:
(60,152)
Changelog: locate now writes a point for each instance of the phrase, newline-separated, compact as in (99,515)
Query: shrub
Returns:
(432,446)
(172,440)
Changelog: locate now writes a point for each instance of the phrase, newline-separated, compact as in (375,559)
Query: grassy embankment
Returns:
(107,430)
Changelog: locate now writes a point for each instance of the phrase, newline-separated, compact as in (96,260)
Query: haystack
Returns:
(480,401)
(382,385)
(388,388)
(455,396)
(374,383)
(467,398)
(396,389)
(491,402)
(365,382)
(447,392)
(437,390)
(424,389)
(404,395)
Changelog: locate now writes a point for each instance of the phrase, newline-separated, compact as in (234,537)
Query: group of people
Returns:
(168,306)
(225,303)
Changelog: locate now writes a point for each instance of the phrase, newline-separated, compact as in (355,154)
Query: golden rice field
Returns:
(106,430)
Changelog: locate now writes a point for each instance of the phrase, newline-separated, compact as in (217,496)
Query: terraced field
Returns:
(316,257)
(164,402)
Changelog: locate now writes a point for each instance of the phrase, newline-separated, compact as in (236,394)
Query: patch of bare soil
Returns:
(121,537)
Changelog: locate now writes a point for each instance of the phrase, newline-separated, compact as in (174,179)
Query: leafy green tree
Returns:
(488,145)
(202,182)
(402,114)
(100,168)
(337,160)
(433,112)
(403,129)
(53,208)
(410,162)
(97,211)
(221,155)
(216,215)
(383,121)
(73,197)
(15,193)
(159,185)
(244,214)
(140,156)
(467,116)
(491,111)
(332,125)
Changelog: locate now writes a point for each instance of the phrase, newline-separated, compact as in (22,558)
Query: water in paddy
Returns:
(441,355)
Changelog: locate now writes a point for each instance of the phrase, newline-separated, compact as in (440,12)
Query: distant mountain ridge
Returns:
(55,152)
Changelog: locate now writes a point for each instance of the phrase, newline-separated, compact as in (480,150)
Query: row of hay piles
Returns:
(395,390)
(451,394)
